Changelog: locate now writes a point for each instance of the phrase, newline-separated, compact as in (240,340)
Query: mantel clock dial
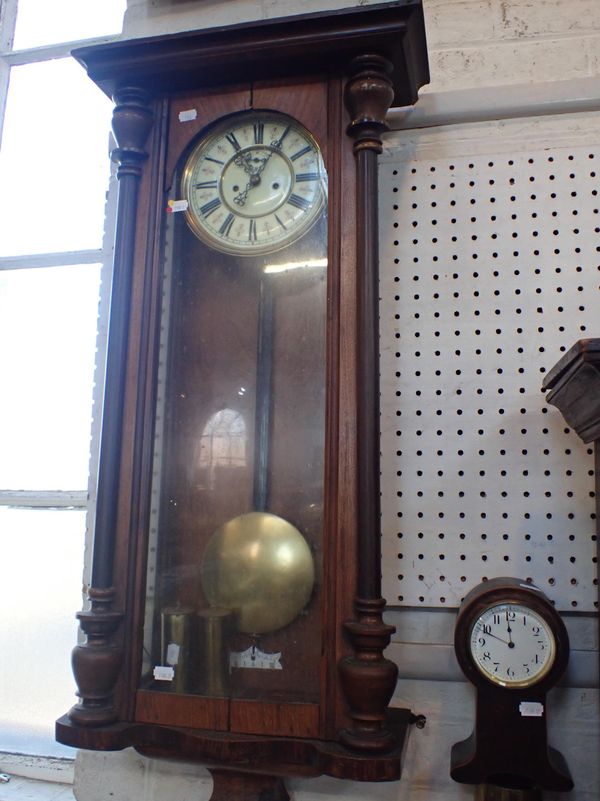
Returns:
(512,645)
(254,184)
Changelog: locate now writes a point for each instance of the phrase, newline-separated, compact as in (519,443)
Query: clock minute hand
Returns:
(495,636)
(276,143)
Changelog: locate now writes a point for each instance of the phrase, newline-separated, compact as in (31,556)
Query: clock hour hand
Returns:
(240,199)
(509,631)
(255,172)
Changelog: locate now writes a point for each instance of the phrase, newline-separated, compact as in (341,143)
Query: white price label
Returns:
(188,115)
(172,653)
(531,709)
(164,673)
(177,205)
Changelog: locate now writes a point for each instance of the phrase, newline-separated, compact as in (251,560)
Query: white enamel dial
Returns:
(254,184)
(512,645)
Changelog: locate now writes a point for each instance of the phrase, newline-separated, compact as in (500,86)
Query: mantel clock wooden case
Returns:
(235,605)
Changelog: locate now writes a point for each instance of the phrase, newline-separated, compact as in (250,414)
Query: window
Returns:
(54,171)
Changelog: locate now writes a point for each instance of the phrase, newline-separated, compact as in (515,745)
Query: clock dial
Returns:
(255,184)
(511,645)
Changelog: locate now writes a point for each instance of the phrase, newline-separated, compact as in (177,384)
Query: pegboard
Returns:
(489,272)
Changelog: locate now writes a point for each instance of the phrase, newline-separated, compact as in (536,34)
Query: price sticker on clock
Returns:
(531,709)
(164,673)
(174,206)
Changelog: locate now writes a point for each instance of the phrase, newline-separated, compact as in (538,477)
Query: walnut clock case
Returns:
(512,645)
(235,605)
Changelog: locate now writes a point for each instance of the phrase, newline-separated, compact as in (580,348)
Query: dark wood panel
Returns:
(209,106)
(279,720)
(190,711)
(303,45)
(253,754)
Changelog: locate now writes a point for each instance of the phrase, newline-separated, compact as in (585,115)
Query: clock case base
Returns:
(522,761)
(247,753)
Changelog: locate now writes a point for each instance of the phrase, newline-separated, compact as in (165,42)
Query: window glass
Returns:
(40,591)
(41,23)
(47,343)
(54,163)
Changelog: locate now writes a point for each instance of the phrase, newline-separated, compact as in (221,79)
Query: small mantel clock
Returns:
(235,606)
(512,645)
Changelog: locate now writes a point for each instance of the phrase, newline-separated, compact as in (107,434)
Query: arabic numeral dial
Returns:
(512,645)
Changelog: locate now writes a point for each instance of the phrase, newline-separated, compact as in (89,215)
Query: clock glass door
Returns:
(233,590)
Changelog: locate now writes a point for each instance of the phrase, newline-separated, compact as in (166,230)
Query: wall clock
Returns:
(513,647)
(236,610)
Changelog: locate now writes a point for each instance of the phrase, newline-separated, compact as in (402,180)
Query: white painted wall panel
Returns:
(489,272)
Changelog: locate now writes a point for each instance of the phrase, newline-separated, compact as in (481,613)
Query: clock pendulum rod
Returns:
(263,397)
(368,96)
(262,605)
(97,663)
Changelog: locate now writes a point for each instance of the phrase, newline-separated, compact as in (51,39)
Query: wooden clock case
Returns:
(337,73)
(506,748)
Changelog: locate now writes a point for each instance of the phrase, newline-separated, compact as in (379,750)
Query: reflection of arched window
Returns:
(223,442)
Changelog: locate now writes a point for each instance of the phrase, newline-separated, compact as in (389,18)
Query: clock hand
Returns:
(277,143)
(240,199)
(243,160)
(509,631)
(495,636)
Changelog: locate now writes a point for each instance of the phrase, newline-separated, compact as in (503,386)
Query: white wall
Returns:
(472,44)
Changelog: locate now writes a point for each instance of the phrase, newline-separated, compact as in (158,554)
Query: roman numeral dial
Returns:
(254,184)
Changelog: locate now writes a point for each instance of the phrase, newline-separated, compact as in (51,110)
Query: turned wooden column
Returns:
(368,679)
(97,663)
